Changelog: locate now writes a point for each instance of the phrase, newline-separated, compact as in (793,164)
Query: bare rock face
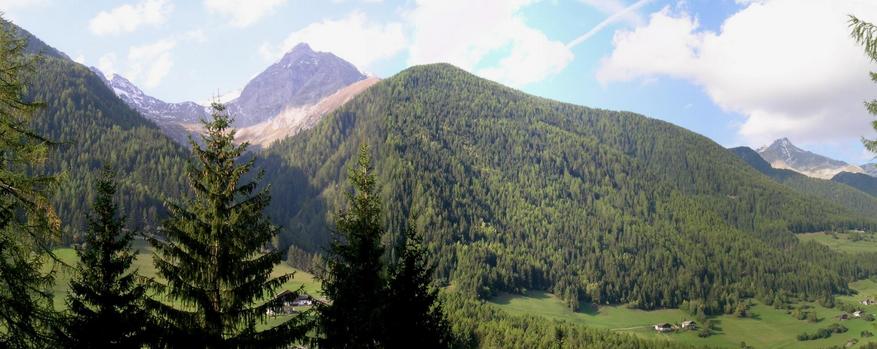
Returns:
(783,154)
(302,77)
(293,120)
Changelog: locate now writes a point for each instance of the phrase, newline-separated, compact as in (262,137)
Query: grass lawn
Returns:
(767,328)
(143,263)
(841,241)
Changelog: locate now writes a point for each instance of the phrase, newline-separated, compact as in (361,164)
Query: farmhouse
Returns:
(664,327)
(858,313)
(689,325)
(285,304)
(303,301)
(868,301)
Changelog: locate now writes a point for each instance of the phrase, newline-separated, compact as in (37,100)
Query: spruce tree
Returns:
(28,225)
(105,299)
(865,34)
(414,315)
(354,280)
(214,274)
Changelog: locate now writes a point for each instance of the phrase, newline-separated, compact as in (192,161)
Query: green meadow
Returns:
(144,266)
(844,242)
(766,328)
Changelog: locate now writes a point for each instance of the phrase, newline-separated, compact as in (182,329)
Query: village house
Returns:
(843,316)
(286,304)
(303,301)
(664,327)
(858,313)
(689,325)
(868,301)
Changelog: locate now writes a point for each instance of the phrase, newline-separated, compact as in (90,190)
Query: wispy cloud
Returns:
(243,13)
(127,18)
(615,17)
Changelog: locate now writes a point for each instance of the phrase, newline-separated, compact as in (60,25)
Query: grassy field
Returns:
(842,242)
(143,264)
(767,328)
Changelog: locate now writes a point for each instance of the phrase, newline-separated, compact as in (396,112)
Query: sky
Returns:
(741,72)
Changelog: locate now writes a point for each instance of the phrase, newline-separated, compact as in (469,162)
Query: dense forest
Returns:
(92,127)
(516,192)
(859,181)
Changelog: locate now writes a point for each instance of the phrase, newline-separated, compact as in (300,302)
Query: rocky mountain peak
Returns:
(782,153)
(302,77)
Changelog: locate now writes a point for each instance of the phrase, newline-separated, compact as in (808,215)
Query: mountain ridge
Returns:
(515,192)
(785,155)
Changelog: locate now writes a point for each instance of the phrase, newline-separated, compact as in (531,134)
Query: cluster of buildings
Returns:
(667,327)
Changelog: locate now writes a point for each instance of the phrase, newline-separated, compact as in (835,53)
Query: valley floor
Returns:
(767,328)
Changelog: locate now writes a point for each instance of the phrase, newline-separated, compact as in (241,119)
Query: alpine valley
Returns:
(530,209)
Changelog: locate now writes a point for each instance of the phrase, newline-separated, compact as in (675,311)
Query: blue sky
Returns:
(742,72)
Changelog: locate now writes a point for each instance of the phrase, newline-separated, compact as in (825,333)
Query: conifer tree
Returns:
(354,280)
(414,315)
(865,34)
(215,274)
(105,298)
(28,225)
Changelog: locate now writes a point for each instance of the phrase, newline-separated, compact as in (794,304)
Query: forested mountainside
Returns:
(861,181)
(832,191)
(516,192)
(94,128)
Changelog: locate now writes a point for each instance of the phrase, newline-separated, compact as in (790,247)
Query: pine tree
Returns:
(865,34)
(354,280)
(215,275)
(28,225)
(105,298)
(414,314)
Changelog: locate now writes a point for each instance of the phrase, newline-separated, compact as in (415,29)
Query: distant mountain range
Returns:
(783,154)
(289,96)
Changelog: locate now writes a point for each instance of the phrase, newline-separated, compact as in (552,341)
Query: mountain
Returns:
(302,77)
(177,120)
(870,169)
(93,127)
(863,182)
(837,191)
(295,119)
(783,154)
(512,192)
(289,96)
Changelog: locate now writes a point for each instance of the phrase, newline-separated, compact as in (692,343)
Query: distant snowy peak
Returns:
(783,154)
(150,107)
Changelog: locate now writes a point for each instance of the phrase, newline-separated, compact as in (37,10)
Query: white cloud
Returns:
(788,66)
(127,18)
(352,38)
(243,13)
(80,58)
(150,63)
(107,64)
(467,34)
